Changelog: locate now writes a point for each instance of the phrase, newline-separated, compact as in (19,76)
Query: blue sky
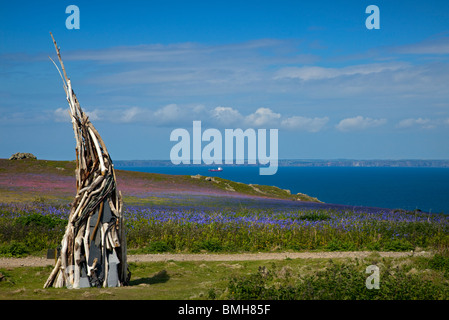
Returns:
(311,69)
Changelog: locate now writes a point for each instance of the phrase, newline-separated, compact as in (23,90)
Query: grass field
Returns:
(305,279)
(183,214)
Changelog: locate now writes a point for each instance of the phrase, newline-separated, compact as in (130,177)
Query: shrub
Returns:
(345,281)
(374,246)
(398,245)
(314,216)
(440,262)
(14,249)
(36,219)
(337,245)
(158,247)
(211,245)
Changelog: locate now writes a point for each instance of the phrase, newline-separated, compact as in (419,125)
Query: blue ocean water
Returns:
(406,188)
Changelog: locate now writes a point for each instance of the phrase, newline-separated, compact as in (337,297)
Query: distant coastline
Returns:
(303,163)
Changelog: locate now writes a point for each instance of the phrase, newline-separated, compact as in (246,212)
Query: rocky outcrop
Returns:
(20,156)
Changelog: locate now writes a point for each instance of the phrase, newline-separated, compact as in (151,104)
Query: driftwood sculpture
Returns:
(93,249)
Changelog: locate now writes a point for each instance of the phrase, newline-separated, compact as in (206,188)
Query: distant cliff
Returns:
(307,163)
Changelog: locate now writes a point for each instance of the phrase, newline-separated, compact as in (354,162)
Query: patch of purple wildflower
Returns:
(236,226)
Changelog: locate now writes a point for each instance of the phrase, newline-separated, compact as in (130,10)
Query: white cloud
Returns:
(199,108)
(93,115)
(430,46)
(171,114)
(262,116)
(130,115)
(168,113)
(174,51)
(303,123)
(226,115)
(193,68)
(117,114)
(359,123)
(420,122)
(220,117)
(318,73)
(265,68)
(61,115)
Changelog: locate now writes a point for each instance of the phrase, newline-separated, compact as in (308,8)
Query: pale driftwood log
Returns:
(95,232)
(53,274)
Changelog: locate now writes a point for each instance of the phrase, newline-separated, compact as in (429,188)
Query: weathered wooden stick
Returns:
(100,156)
(100,211)
(77,256)
(59,57)
(53,274)
(60,280)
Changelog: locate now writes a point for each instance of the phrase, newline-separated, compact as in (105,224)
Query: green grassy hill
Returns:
(24,180)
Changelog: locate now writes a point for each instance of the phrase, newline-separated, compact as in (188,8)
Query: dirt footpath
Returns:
(42,261)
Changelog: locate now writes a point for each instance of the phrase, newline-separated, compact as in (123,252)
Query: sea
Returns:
(408,188)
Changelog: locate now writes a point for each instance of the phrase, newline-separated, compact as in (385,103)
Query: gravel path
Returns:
(41,261)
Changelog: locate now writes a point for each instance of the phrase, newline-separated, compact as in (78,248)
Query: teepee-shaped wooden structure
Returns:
(93,249)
